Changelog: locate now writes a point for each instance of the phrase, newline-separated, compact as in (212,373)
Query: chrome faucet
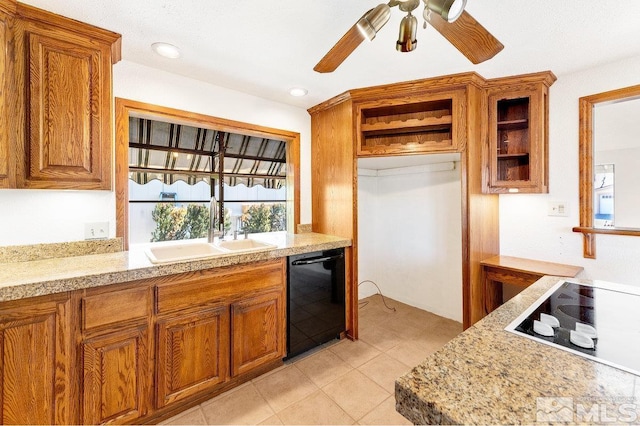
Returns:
(237,229)
(213,218)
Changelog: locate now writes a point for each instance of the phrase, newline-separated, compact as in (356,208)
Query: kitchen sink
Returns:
(245,245)
(183,251)
(201,250)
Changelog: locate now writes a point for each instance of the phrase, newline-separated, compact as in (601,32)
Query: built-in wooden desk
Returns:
(519,272)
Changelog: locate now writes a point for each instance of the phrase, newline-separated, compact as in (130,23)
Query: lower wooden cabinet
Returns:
(138,352)
(257,331)
(115,348)
(193,353)
(115,381)
(36,371)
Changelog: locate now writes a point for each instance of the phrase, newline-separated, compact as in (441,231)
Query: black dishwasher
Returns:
(316,299)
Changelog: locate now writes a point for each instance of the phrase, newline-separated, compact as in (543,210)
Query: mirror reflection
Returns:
(616,150)
(603,196)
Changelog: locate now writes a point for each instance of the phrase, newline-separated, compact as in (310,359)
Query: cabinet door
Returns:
(193,353)
(115,385)
(64,102)
(5,115)
(68,109)
(257,331)
(517,142)
(35,364)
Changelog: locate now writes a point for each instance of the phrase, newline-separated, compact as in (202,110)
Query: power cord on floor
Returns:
(366,302)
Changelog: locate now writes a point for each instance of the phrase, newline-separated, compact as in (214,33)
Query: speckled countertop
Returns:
(22,279)
(488,375)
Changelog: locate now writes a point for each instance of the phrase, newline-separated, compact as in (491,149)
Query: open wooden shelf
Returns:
(513,124)
(517,155)
(433,124)
(402,128)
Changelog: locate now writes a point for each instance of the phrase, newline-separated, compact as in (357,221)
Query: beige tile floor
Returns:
(341,383)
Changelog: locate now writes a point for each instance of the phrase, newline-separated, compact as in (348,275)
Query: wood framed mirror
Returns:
(609,173)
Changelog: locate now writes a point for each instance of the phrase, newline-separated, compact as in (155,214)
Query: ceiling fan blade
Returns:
(468,36)
(340,50)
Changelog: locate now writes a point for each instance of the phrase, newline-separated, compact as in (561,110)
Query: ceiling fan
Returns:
(448,17)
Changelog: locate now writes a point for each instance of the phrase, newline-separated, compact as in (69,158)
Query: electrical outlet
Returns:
(96,230)
(558,208)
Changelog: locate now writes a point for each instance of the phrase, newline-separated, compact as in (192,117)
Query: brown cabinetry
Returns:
(61,80)
(215,326)
(444,114)
(36,372)
(421,124)
(257,333)
(193,353)
(517,158)
(115,379)
(6,114)
(115,348)
(140,351)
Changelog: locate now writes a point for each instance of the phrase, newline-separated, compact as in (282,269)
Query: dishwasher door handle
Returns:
(317,260)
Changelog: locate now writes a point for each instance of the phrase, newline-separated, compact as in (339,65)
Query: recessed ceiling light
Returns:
(298,91)
(166,50)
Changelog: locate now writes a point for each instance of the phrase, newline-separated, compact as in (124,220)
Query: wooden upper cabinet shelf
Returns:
(516,156)
(518,124)
(433,124)
(513,155)
(408,125)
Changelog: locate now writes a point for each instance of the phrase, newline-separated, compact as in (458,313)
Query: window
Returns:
(177,160)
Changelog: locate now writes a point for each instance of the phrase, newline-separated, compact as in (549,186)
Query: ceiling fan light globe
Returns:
(449,10)
(407,38)
(374,20)
(455,10)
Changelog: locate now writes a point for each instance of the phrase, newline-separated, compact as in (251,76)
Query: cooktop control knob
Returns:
(542,329)
(586,330)
(581,340)
(549,319)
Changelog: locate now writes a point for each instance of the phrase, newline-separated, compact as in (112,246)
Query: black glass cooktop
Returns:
(599,321)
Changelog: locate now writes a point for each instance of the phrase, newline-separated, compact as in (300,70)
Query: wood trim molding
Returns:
(586,104)
(46,18)
(126,107)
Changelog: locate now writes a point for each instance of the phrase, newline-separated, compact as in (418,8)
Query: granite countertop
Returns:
(488,375)
(23,279)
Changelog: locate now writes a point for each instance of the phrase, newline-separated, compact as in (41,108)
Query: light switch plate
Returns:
(96,230)
(558,208)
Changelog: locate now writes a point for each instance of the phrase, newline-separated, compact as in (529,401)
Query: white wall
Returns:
(31,217)
(410,239)
(525,228)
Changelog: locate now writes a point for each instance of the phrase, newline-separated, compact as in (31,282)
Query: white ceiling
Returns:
(264,48)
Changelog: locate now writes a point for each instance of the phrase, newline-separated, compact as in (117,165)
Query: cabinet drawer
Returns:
(189,290)
(117,306)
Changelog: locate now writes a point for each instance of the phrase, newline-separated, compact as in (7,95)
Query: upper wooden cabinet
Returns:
(6,116)
(517,153)
(62,83)
(409,125)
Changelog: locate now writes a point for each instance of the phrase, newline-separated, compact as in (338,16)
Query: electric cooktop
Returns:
(599,321)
